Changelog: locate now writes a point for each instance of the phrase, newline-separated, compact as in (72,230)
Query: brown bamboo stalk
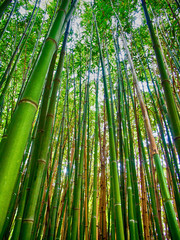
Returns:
(143,189)
(63,224)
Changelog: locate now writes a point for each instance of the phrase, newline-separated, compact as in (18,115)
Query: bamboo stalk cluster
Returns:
(90,123)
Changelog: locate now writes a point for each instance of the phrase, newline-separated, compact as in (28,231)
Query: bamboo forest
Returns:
(89,119)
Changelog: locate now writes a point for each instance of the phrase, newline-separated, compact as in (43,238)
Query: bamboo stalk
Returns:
(21,123)
(117,204)
(172,110)
(165,193)
(94,209)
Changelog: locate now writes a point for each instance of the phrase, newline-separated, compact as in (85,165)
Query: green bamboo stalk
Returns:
(87,173)
(8,226)
(55,202)
(64,197)
(9,77)
(42,158)
(33,52)
(45,178)
(117,204)
(93,221)
(122,173)
(111,97)
(19,216)
(42,119)
(35,183)
(112,200)
(135,194)
(56,194)
(169,45)
(132,157)
(149,178)
(131,203)
(18,46)
(77,187)
(78,138)
(172,110)
(177,197)
(68,170)
(9,18)
(163,110)
(129,184)
(42,214)
(82,217)
(103,228)
(170,213)
(35,147)
(3,6)
(22,120)
(18,191)
(165,116)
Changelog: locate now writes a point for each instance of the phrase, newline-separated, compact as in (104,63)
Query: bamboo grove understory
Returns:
(89,119)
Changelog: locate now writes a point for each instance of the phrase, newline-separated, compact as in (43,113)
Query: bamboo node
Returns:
(28,220)
(60,9)
(57,79)
(167,200)
(154,151)
(24,100)
(117,204)
(48,87)
(114,161)
(4,136)
(165,80)
(42,160)
(40,130)
(156,45)
(54,41)
(132,220)
(50,115)
(176,138)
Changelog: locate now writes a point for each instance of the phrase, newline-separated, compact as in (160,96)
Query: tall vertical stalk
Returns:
(170,213)
(113,164)
(94,210)
(172,109)
(21,123)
